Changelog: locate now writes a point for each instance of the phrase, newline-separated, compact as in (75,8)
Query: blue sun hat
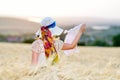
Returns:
(48,22)
(51,24)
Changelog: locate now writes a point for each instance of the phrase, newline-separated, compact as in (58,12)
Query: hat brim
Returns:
(56,31)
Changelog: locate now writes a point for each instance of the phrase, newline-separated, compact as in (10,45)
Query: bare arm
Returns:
(35,57)
(67,46)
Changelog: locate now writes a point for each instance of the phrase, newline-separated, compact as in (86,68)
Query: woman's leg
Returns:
(35,57)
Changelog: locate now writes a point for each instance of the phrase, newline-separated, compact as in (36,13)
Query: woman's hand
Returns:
(83,27)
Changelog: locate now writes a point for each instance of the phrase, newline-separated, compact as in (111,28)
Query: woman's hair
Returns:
(48,42)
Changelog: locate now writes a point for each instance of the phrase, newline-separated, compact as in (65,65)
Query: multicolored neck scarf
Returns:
(49,44)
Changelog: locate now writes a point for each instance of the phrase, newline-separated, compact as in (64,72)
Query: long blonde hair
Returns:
(49,44)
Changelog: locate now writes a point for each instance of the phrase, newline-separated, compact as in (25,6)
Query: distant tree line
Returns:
(96,42)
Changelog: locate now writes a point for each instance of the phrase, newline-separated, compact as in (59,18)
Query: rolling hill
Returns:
(11,25)
(16,26)
(22,26)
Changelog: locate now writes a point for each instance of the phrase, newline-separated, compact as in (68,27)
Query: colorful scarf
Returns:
(49,44)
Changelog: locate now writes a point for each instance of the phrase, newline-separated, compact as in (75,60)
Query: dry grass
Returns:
(92,63)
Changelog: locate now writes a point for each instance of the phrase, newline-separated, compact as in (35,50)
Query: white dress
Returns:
(37,46)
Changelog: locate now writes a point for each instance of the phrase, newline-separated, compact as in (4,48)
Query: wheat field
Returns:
(91,63)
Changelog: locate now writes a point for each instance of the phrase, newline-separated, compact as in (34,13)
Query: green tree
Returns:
(116,40)
(100,43)
(30,40)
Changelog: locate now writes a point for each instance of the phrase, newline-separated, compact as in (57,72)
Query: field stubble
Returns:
(91,63)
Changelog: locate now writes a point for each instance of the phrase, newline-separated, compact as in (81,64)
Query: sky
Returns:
(61,8)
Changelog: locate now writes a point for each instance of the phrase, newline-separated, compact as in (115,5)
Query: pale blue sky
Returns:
(61,8)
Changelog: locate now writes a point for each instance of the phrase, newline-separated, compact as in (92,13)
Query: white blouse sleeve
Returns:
(58,44)
(37,46)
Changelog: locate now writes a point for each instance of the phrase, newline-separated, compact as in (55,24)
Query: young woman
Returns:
(46,48)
